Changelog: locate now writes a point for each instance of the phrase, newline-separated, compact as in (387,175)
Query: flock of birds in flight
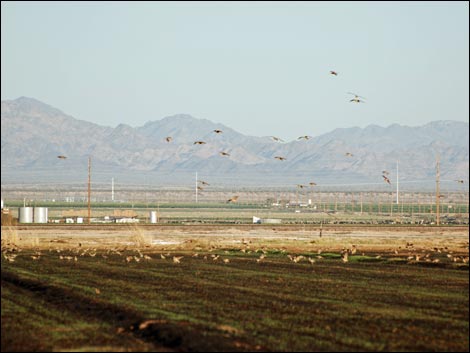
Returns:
(356,99)
(275,138)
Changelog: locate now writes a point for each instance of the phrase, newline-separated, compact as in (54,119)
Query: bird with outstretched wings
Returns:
(356,98)
(277,139)
(233,199)
(387,180)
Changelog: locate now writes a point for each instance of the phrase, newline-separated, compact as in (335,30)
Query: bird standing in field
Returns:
(168,138)
(280,158)
(261,258)
(177,259)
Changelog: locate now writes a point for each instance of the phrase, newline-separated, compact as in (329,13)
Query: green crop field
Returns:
(246,297)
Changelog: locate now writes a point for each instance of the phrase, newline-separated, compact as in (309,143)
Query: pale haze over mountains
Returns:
(34,134)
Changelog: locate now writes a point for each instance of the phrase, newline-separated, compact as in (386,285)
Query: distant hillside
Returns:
(34,133)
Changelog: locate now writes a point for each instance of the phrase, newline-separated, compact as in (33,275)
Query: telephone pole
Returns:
(438,196)
(397,182)
(89,190)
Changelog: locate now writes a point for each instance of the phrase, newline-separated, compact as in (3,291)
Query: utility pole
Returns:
(196,187)
(89,190)
(361,203)
(112,189)
(438,196)
(397,182)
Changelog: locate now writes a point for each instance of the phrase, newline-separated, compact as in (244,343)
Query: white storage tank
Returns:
(153,217)
(25,215)
(40,214)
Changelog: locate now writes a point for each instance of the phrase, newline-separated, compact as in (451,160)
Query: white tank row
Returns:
(32,215)
(39,215)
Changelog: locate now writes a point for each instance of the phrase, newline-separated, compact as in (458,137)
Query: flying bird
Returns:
(233,199)
(460,181)
(280,158)
(348,154)
(386,179)
(217,131)
(62,157)
(312,183)
(203,182)
(200,188)
(224,154)
(356,98)
(356,95)
(199,143)
(334,73)
(168,138)
(306,137)
(277,139)
(384,172)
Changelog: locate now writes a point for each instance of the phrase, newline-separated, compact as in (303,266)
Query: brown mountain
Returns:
(34,134)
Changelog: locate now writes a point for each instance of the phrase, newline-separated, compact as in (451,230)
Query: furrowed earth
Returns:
(234,288)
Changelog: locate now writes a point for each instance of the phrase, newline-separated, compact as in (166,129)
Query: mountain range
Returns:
(33,134)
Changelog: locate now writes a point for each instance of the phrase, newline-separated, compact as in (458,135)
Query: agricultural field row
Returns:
(197,289)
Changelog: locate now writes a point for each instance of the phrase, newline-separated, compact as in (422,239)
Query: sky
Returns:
(261,68)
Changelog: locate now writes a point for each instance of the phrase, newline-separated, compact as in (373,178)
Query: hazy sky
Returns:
(261,68)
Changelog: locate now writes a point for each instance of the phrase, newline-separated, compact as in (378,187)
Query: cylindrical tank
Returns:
(40,214)
(153,217)
(25,215)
